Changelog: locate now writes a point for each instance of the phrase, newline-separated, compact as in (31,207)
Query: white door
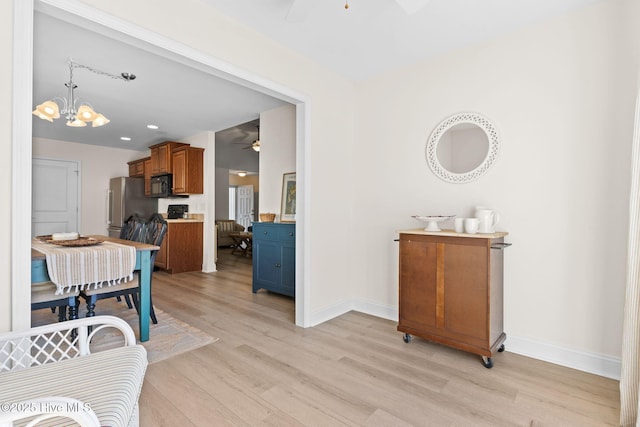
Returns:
(54,197)
(244,203)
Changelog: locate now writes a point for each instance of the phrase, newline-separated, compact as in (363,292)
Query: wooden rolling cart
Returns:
(451,290)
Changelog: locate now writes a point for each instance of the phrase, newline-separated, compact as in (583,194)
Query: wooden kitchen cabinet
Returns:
(451,290)
(181,248)
(188,170)
(161,157)
(136,168)
(274,257)
(141,168)
(147,176)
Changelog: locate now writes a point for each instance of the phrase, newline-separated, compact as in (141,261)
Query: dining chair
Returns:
(139,230)
(43,295)
(133,229)
(154,234)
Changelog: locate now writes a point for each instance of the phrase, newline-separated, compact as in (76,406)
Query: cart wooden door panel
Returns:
(418,268)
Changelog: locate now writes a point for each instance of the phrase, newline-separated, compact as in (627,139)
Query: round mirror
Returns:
(462,147)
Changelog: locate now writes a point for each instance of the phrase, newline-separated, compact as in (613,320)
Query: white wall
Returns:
(6,166)
(222,193)
(561,95)
(98,166)
(277,155)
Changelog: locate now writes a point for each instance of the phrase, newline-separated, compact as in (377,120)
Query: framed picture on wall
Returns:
(288,204)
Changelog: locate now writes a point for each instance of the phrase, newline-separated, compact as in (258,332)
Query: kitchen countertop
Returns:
(452,233)
(184,220)
(190,218)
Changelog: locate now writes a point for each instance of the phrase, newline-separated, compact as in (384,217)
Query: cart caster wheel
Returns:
(487,362)
(501,349)
(406,338)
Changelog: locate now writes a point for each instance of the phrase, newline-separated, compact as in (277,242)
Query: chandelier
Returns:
(77,113)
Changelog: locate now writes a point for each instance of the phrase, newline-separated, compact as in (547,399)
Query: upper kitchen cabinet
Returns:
(188,170)
(161,157)
(136,168)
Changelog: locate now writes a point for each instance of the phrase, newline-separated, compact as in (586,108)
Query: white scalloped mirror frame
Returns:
(492,153)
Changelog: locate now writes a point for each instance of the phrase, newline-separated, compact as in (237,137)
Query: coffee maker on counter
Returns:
(177,211)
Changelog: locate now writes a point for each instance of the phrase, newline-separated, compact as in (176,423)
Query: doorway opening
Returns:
(22,131)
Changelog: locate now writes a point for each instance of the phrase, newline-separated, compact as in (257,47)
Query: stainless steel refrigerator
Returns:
(126,198)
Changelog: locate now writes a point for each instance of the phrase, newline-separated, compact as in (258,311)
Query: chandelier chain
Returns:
(124,76)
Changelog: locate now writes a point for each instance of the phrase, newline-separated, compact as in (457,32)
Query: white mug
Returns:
(471,225)
(458,224)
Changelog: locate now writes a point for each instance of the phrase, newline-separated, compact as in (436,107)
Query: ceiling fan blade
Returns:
(412,6)
(299,10)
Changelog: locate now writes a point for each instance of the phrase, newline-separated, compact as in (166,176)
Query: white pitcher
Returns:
(488,219)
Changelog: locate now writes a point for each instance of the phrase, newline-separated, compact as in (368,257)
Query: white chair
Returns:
(39,364)
(51,407)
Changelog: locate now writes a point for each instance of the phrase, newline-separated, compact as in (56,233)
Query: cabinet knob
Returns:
(265,233)
(290,234)
(278,265)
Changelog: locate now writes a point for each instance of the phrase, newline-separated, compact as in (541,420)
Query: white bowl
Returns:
(433,220)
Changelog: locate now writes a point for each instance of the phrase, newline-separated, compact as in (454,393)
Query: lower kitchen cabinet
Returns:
(181,249)
(274,257)
(451,290)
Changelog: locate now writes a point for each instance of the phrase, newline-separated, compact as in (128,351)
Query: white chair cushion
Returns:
(46,291)
(105,289)
(110,381)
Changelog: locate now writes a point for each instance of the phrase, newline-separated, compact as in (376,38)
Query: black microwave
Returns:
(161,185)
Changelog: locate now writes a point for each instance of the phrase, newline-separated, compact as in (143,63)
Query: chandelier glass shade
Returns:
(77,113)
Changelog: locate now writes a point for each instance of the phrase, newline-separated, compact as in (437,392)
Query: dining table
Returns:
(39,273)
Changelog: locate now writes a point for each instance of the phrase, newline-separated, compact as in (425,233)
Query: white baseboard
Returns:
(330,312)
(374,309)
(592,363)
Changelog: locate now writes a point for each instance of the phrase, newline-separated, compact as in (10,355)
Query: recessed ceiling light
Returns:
(152,126)
(125,138)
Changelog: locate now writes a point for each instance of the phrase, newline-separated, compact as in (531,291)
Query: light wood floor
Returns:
(354,370)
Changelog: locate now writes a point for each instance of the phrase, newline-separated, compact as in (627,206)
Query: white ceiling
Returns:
(369,38)
(182,99)
(374,36)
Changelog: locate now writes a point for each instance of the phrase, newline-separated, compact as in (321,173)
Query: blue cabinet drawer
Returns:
(274,231)
(287,234)
(264,233)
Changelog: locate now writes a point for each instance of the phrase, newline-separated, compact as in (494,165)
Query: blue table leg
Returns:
(145,293)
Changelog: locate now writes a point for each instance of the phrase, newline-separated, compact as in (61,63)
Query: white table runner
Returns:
(87,266)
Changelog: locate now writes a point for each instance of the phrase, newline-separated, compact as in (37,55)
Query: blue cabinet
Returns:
(274,257)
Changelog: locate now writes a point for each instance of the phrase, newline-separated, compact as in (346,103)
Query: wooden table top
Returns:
(452,233)
(140,247)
